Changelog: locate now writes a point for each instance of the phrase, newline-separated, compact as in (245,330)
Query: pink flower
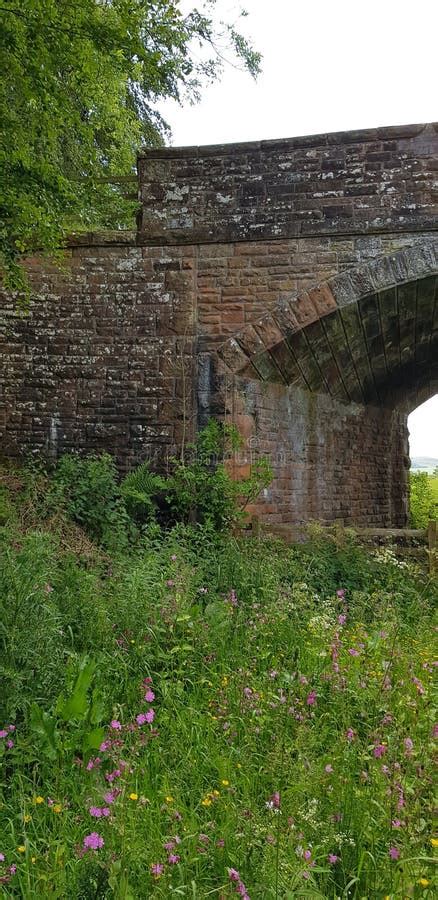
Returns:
(149,696)
(418,685)
(95,811)
(353,652)
(3,733)
(397,823)
(9,744)
(173,858)
(311,698)
(342,619)
(150,716)
(435,731)
(307,855)
(394,853)
(11,727)
(13,869)
(350,734)
(379,750)
(105,745)
(173,557)
(141,719)
(328,769)
(157,869)
(115,725)
(2,857)
(409,746)
(274,801)
(340,593)
(332,858)
(233,875)
(111,796)
(93,841)
(170,583)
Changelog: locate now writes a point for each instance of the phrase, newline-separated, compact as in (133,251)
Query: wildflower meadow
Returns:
(199,716)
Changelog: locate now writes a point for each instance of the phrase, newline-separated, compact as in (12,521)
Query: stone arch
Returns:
(367,335)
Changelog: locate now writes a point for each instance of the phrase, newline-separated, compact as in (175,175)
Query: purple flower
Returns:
(95,811)
(353,652)
(394,853)
(93,841)
(379,750)
(149,696)
(9,744)
(342,619)
(340,593)
(233,875)
(332,858)
(2,857)
(311,698)
(350,734)
(13,869)
(115,725)
(173,858)
(3,733)
(397,823)
(409,745)
(150,716)
(105,745)
(141,719)
(157,869)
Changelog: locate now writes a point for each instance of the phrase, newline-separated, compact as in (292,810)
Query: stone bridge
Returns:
(288,286)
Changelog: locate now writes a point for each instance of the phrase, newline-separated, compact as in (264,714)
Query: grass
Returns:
(290,749)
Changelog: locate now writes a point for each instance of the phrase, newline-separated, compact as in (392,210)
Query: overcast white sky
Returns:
(328,65)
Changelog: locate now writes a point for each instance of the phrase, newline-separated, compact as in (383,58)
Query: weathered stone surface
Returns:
(288,285)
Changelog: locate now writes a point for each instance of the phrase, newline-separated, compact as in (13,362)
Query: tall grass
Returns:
(201,717)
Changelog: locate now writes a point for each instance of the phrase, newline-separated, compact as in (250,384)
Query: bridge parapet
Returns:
(356,183)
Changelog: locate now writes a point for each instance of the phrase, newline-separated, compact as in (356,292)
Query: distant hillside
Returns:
(424,463)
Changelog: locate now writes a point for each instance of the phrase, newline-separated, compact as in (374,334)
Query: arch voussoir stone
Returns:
(349,287)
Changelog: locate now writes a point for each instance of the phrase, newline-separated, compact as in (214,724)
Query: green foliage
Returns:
(265,680)
(423,502)
(93,498)
(80,81)
(141,490)
(201,488)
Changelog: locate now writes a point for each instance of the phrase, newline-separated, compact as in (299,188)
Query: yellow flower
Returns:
(27,818)
(39,800)
(33,859)
(434,842)
(133,796)
(225,782)
(239,765)
(169,799)
(206,801)
(57,808)
(21,848)
(423,881)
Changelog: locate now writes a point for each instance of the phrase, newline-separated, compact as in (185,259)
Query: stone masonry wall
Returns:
(118,349)
(332,462)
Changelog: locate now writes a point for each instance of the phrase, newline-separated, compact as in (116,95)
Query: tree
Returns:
(79,84)
(423,506)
